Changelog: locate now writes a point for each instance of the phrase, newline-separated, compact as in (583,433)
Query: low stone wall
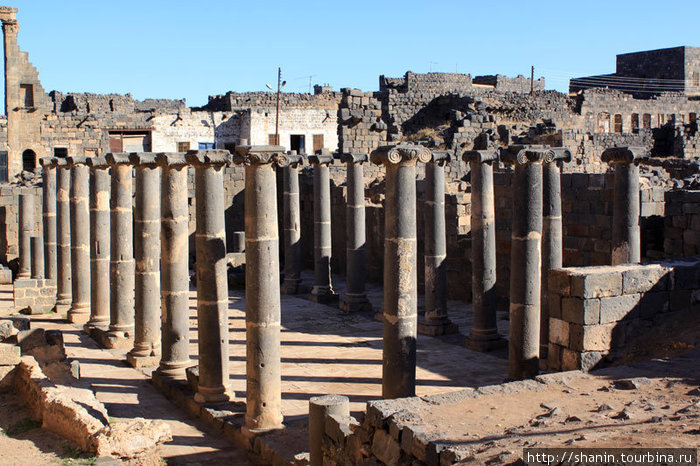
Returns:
(682,224)
(9,219)
(596,311)
(37,294)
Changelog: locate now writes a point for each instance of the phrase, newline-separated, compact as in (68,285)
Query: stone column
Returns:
(321,407)
(99,242)
(174,270)
(37,248)
(355,298)
(80,240)
(484,334)
(435,321)
(26,229)
(552,255)
(291,223)
(525,270)
(49,215)
(262,290)
(63,275)
(322,292)
(121,270)
(400,313)
(625,232)
(212,284)
(146,350)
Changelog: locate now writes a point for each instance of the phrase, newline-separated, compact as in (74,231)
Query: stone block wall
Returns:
(37,294)
(595,312)
(9,219)
(682,224)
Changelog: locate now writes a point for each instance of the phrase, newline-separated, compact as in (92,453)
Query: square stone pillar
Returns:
(400,314)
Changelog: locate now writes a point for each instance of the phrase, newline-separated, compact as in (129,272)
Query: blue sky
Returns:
(192,49)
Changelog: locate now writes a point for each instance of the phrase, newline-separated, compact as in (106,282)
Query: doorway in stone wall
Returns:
(28,160)
(297,142)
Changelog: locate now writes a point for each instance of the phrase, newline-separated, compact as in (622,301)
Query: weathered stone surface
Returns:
(386,448)
(581,311)
(596,283)
(132,438)
(616,308)
(9,354)
(640,279)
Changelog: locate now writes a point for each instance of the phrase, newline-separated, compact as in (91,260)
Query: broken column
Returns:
(49,215)
(37,247)
(212,284)
(435,320)
(625,231)
(79,311)
(400,314)
(552,254)
(355,297)
(322,291)
(524,344)
(262,289)
(174,270)
(63,266)
(291,223)
(146,350)
(26,229)
(320,407)
(99,242)
(484,334)
(121,270)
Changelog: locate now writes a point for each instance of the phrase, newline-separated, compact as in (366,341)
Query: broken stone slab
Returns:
(632,383)
(451,397)
(130,438)
(560,378)
(509,388)
(9,354)
(379,411)
(7,329)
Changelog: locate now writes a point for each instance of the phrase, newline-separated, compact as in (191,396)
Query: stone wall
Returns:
(9,219)
(244,100)
(596,312)
(682,224)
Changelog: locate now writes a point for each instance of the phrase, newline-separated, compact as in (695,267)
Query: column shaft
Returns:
(525,271)
(147,261)
(174,278)
(80,242)
(322,290)
(49,218)
(552,256)
(99,245)
(37,248)
(263,363)
(63,253)
(625,235)
(292,229)
(26,229)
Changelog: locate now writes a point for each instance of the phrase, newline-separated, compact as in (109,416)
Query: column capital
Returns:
(48,162)
(624,155)
(524,154)
(556,154)
(261,155)
(480,156)
(353,157)
(401,154)
(60,162)
(208,157)
(76,160)
(10,26)
(117,158)
(98,162)
(321,157)
(143,159)
(171,159)
(294,160)
(440,157)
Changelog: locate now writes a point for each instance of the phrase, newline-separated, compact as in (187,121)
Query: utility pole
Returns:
(280,85)
(532,80)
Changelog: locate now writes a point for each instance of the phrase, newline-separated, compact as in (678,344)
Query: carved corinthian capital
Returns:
(261,155)
(401,154)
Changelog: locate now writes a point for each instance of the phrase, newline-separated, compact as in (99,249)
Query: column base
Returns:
(437,328)
(142,361)
(252,432)
(355,303)
(209,395)
(93,324)
(60,308)
(292,286)
(79,316)
(323,296)
(112,339)
(484,345)
(173,369)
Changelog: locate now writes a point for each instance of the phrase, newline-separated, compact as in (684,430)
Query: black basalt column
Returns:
(37,247)
(435,320)
(63,275)
(484,334)
(49,216)
(146,350)
(100,181)
(355,297)
(625,232)
(212,284)
(174,271)
(552,254)
(262,290)
(121,271)
(525,261)
(291,223)
(26,230)
(80,240)
(322,291)
(400,314)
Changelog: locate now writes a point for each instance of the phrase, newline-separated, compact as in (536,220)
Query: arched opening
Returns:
(28,160)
